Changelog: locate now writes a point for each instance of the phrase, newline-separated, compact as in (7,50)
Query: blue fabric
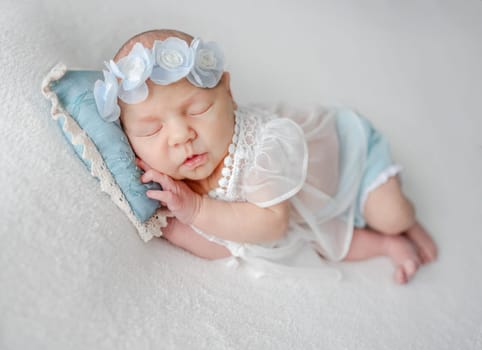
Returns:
(356,131)
(75,94)
(378,160)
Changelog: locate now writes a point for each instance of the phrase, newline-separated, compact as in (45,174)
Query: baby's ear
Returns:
(226,80)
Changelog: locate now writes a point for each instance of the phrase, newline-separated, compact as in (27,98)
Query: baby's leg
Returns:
(388,211)
(367,244)
(183,236)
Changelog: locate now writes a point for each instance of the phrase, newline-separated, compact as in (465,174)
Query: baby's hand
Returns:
(142,165)
(183,203)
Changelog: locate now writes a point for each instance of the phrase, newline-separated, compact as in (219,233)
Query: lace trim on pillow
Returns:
(148,229)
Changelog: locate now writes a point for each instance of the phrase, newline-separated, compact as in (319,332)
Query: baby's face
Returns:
(181,130)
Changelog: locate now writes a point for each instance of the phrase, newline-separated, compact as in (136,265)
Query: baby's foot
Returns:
(423,242)
(404,256)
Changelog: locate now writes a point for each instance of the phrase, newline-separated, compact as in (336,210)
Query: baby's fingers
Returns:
(141,164)
(165,181)
(163,211)
(165,197)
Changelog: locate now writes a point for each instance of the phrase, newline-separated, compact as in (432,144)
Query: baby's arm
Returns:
(234,221)
(184,237)
(241,221)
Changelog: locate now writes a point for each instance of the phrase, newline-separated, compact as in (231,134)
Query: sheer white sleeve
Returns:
(280,163)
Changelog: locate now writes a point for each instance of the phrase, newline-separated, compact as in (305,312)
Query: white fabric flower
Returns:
(174,60)
(133,70)
(208,65)
(169,61)
(105,95)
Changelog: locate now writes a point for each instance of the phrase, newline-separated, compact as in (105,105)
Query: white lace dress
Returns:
(313,159)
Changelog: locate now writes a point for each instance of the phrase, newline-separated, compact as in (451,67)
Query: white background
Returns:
(73,273)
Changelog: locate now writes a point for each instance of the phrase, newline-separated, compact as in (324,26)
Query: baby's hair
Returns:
(147,39)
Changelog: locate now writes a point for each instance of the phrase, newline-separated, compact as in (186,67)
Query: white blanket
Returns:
(75,275)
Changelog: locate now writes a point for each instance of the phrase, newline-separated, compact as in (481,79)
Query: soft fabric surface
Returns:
(102,146)
(75,275)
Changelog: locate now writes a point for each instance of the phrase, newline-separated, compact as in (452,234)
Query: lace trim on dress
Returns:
(228,170)
(382,178)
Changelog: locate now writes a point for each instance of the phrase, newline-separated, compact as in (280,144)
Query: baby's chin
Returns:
(194,176)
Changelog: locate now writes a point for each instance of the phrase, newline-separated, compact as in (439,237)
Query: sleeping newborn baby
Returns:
(262,185)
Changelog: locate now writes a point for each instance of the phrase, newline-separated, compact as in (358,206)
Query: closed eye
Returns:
(151,132)
(197,111)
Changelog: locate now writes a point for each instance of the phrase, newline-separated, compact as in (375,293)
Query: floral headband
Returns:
(167,62)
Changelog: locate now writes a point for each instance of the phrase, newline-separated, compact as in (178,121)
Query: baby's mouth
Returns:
(195,160)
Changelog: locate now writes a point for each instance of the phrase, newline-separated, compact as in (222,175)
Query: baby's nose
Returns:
(179,131)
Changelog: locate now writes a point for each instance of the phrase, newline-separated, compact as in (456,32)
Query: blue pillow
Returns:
(102,146)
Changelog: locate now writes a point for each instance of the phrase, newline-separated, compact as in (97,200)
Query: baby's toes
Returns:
(410,267)
(405,271)
(400,275)
(425,256)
